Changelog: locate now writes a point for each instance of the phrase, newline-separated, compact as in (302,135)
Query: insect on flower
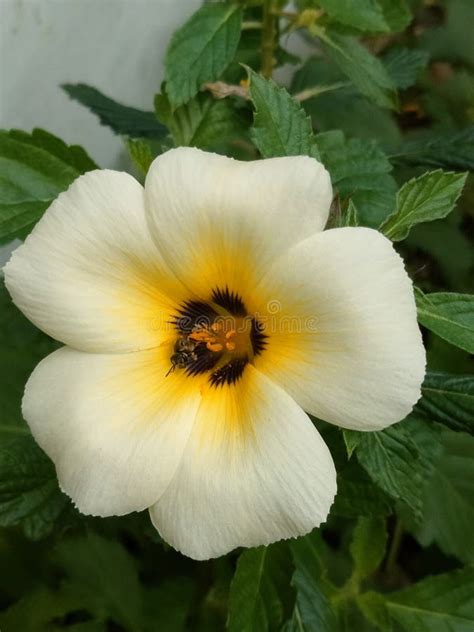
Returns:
(202,315)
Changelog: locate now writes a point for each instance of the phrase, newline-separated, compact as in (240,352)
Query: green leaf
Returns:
(202,49)
(141,154)
(29,492)
(448,315)
(351,216)
(454,150)
(449,400)
(102,578)
(423,199)
(361,171)
(35,168)
(404,65)
(281,126)
(312,609)
(448,503)
(368,545)
(366,15)
(357,495)
(254,599)
(397,14)
(203,122)
(393,459)
(443,603)
(120,118)
(365,71)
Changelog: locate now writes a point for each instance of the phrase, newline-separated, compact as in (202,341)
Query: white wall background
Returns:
(117,46)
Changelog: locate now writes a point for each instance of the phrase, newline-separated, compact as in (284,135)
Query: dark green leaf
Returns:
(448,315)
(365,71)
(359,170)
(453,150)
(202,49)
(120,118)
(35,168)
(448,504)
(368,545)
(424,199)
(397,14)
(203,122)
(281,126)
(404,65)
(443,603)
(398,461)
(448,399)
(254,600)
(29,492)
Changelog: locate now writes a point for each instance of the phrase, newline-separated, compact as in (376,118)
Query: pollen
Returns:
(227,334)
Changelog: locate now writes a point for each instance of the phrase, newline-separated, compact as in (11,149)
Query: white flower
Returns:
(202,315)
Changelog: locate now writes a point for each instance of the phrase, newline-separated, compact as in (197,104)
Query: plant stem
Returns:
(391,563)
(268,39)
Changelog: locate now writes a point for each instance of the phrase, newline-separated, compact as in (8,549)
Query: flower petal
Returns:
(345,342)
(255,470)
(112,424)
(89,273)
(219,222)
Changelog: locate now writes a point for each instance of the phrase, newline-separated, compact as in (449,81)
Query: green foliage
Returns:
(281,127)
(368,545)
(404,508)
(29,493)
(255,602)
(201,49)
(366,15)
(366,72)
(120,118)
(359,170)
(400,459)
(424,199)
(202,122)
(141,154)
(454,150)
(449,400)
(444,603)
(35,168)
(404,65)
(448,508)
(448,315)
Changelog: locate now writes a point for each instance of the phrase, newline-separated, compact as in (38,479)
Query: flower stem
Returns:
(391,563)
(268,38)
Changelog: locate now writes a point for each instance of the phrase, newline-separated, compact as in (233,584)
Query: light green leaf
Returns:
(35,168)
(351,216)
(448,315)
(365,70)
(448,503)
(443,603)
(202,49)
(449,400)
(361,171)
(203,122)
(120,118)
(423,199)
(404,65)
(29,492)
(366,15)
(281,126)
(368,545)
(254,600)
(141,154)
